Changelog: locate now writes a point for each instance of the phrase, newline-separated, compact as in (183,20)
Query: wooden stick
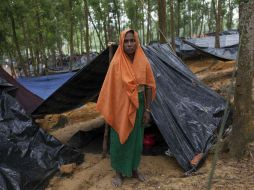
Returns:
(105,137)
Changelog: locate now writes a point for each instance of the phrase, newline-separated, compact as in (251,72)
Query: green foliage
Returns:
(44,25)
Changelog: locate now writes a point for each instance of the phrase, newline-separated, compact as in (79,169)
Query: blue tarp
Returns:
(44,86)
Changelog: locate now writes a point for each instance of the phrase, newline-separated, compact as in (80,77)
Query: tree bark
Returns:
(190,16)
(148,32)
(230,15)
(41,41)
(26,43)
(243,130)
(118,17)
(15,39)
(71,34)
(162,20)
(178,18)
(218,22)
(97,32)
(81,27)
(202,19)
(172,25)
(87,29)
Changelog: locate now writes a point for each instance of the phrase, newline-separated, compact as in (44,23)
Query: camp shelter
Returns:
(192,47)
(28,155)
(186,112)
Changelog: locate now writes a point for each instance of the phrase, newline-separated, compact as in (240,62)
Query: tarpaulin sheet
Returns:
(226,53)
(209,42)
(187,48)
(185,110)
(25,97)
(28,155)
(44,86)
(81,88)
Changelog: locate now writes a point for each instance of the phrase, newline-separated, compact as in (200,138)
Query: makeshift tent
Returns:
(186,112)
(28,156)
(192,47)
(26,98)
(224,53)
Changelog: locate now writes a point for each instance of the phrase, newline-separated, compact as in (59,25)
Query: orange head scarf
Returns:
(118,99)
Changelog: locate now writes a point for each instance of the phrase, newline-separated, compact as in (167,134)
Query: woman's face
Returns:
(129,44)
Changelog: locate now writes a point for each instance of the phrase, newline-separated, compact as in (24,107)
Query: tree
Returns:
(162,20)
(87,28)
(243,131)
(71,33)
(172,25)
(218,23)
(148,29)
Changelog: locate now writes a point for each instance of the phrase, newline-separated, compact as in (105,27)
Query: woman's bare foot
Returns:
(117,181)
(138,175)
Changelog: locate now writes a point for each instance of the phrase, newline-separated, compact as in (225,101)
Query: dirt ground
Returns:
(161,171)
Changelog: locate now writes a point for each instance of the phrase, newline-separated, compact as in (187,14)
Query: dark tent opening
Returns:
(91,141)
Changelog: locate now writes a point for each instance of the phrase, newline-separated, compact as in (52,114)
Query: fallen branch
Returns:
(64,134)
(216,75)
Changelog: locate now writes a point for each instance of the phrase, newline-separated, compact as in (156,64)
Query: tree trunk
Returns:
(26,43)
(218,22)
(33,60)
(190,16)
(97,32)
(77,41)
(59,48)
(81,28)
(178,18)
(162,20)
(148,33)
(230,15)
(172,25)
(118,18)
(87,29)
(71,34)
(243,130)
(13,73)
(41,42)
(202,19)
(15,39)
(143,26)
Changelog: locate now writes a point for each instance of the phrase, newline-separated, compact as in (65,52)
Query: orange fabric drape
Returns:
(118,99)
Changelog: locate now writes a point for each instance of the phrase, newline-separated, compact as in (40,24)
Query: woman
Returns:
(124,101)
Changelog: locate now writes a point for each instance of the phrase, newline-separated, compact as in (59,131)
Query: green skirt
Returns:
(126,157)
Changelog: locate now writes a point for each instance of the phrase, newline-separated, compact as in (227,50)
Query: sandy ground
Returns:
(161,171)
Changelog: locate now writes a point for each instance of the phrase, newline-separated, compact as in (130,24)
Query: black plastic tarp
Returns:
(226,53)
(186,111)
(81,88)
(28,155)
(191,47)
